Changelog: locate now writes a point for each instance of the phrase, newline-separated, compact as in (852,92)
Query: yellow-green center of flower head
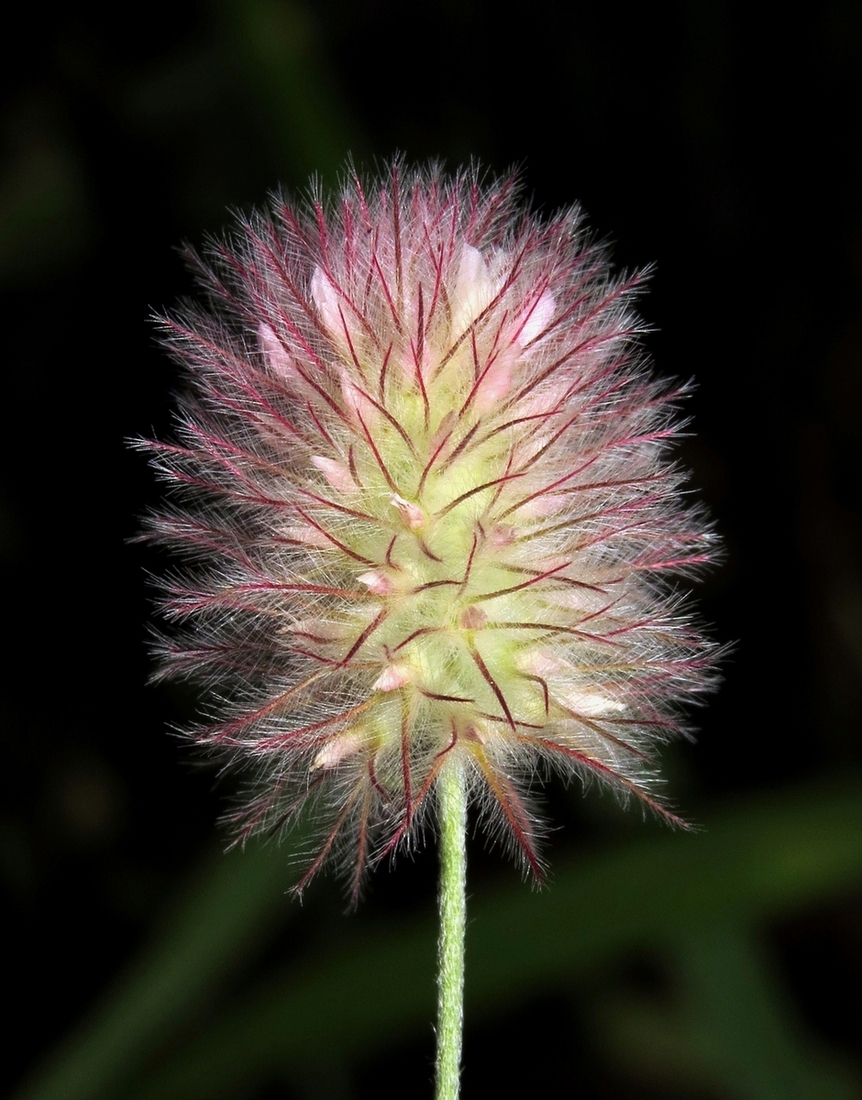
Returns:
(437,494)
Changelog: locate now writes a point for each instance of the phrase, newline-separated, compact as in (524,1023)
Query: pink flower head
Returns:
(423,485)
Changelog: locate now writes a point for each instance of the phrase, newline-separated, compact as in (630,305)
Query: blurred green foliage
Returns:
(728,1026)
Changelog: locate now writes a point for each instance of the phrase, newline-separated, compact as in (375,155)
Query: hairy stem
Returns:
(453,911)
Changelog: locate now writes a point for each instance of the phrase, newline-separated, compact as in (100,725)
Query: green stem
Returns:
(453,920)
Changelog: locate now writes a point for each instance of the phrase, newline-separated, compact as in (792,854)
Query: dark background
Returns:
(704,137)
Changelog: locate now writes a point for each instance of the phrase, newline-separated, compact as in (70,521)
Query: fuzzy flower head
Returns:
(423,490)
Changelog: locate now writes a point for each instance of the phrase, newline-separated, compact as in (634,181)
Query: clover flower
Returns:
(423,487)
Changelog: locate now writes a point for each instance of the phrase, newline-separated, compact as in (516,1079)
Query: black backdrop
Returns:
(708,138)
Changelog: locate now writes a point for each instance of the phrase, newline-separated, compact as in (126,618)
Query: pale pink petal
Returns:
(279,360)
(336,473)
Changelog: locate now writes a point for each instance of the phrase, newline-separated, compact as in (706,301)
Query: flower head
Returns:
(423,484)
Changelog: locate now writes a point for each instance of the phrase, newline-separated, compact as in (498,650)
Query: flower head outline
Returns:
(422,484)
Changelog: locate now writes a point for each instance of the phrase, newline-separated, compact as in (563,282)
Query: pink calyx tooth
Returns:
(501,534)
(472,618)
(412,514)
(392,677)
(336,473)
(378,583)
(279,360)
